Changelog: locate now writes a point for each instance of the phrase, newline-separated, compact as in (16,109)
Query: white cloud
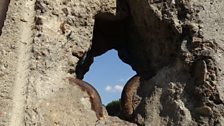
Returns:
(108,88)
(114,89)
(118,88)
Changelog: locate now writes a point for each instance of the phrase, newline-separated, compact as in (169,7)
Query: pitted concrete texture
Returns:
(37,44)
(175,46)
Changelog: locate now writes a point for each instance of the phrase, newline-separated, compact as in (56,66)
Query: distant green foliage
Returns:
(113,108)
(114,102)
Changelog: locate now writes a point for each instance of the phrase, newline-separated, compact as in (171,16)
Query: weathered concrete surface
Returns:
(175,46)
(40,45)
(3,10)
(213,23)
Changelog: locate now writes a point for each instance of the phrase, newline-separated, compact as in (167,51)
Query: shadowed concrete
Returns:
(3,9)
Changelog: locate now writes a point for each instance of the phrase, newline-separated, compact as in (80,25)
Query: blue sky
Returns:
(108,74)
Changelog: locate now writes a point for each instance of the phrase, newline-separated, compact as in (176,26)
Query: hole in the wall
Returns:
(108,74)
(3,10)
(145,53)
(109,33)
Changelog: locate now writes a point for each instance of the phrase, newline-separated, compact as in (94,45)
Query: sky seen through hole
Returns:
(108,74)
